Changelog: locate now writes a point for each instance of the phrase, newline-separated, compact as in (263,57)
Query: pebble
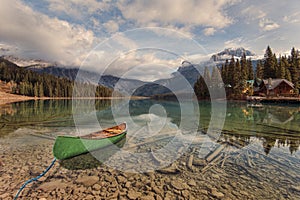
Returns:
(97,187)
(216,194)
(185,194)
(132,194)
(148,197)
(50,186)
(203,192)
(179,184)
(174,182)
(192,182)
(87,180)
(296,188)
(121,179)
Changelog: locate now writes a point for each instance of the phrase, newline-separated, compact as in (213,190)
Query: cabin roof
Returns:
(276,82)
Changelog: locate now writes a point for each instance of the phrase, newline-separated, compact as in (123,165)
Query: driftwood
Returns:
(248,160)
(43,136)
(148,142)
(159,161)
(223,161)
(214,162)
(214,154)
(169,170)
(234,143)
(189,162)
(280,128)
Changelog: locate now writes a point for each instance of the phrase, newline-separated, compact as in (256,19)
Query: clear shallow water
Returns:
(259,146)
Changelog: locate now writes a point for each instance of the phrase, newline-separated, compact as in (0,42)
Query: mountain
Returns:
(28,62)
(182,81)
(177,83)
(190,72)
(229,52)
(123,85)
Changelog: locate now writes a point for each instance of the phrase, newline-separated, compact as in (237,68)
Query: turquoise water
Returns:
(260,155)
(276,126)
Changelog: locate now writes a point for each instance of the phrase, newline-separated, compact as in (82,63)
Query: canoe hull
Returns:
(68,146)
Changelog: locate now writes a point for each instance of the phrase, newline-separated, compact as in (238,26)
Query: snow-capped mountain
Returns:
(191,72)
(237,53)
(21,62)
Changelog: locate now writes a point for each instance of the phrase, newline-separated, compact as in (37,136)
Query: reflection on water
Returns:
(256,156)
(272,125)
(40,113)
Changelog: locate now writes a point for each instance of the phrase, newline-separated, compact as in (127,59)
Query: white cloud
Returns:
(196,12)
(6,49)
(209,31)
(112,26)
(146,65)
(235,43)
(253,12)
(268,25)
(293,18)
(40,36)
(77,8)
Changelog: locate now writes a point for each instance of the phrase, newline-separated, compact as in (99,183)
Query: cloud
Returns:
(111,26)
(253,12)
(268,25)
(187,12)
(235,43)
(141,64)
(39,36)
(146,65)
(6,49)
(78,8)
(293,18)
(209,31)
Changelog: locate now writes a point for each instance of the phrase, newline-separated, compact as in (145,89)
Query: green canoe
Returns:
(70,146)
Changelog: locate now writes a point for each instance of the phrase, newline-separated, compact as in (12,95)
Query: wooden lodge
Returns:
(273,88)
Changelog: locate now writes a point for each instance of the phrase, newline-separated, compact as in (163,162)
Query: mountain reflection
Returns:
(274,126)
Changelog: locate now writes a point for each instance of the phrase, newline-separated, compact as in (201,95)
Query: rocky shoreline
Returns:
(225,176)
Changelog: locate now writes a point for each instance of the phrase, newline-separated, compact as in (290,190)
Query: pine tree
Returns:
(244,67)
(259,70)
(250,69)
(231,71)
(41,90)
(270,63)
(36,89)
(202,84)
(294,69)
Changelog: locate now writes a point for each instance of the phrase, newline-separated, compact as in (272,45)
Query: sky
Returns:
(136,37)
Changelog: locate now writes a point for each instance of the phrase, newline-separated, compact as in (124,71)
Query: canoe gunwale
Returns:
(86,138)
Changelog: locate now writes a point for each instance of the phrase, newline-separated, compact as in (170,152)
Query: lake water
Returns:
(223,151)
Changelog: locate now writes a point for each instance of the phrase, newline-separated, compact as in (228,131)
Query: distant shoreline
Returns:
(7,98)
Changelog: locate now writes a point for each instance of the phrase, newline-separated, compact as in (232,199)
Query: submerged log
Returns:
(43,136)
(148,142)
(159,161)
(169,170)
(215,153)
(189,162)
